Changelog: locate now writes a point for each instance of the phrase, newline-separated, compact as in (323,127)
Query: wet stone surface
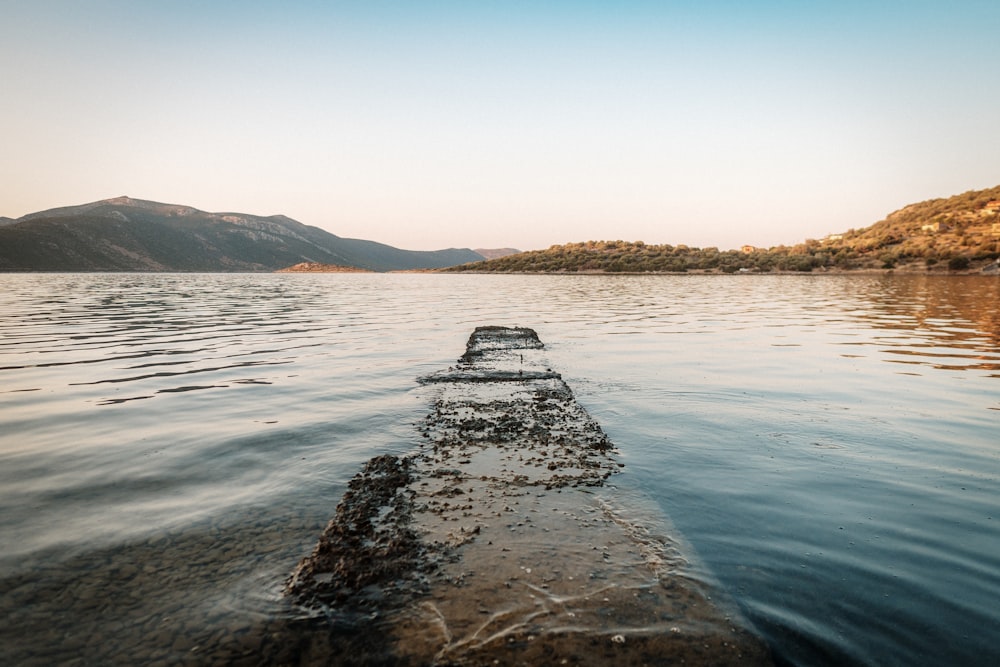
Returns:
(369,546)
(498,541)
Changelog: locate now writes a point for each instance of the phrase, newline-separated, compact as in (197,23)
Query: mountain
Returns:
(125,234)
(960,233)
(493,253)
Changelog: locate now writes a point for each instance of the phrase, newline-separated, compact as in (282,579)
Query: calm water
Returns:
(170,445)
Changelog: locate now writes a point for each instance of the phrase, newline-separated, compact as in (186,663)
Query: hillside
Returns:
(125,234)
(314,267)
(493,253)
(960,233)
(966,226)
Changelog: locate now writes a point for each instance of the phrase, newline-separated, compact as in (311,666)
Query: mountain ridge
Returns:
(127,234)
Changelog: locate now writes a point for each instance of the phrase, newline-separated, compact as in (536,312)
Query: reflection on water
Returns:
(170,445)
(949,324)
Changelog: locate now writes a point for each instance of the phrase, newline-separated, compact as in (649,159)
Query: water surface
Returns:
(170,445)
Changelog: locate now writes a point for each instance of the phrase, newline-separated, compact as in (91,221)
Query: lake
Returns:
(825,447)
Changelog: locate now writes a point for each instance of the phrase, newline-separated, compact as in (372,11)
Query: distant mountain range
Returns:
(125,234)
(494,253)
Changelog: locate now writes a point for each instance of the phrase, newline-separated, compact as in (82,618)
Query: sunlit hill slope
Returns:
(960,233)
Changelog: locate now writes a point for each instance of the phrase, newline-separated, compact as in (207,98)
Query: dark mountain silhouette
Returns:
(125,234)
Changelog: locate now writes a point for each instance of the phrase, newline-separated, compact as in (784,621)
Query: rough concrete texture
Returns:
(499,543)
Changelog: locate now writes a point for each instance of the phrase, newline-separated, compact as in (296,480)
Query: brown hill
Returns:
(316,267)
(960,233)
(952,229)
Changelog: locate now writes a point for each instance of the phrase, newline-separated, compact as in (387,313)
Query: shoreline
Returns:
(990,270)
(987,271)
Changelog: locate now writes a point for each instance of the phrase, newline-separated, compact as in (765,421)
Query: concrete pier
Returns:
(500,540)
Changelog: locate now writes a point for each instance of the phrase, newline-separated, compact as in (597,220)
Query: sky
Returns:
(487,124)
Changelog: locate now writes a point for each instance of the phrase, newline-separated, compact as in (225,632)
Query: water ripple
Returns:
(827,444)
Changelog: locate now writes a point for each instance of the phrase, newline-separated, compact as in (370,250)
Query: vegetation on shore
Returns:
(960,233)
(318,267)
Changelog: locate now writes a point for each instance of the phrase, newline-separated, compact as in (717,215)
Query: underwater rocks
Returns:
(369,544)
(499,541)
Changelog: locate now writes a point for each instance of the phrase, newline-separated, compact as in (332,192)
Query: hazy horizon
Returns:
(427,125)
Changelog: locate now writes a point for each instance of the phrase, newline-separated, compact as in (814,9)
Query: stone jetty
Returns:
(498,541)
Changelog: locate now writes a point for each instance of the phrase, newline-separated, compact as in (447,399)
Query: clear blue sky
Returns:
(487,124)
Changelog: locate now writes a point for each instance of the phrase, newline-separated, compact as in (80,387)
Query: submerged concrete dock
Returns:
(499,541)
